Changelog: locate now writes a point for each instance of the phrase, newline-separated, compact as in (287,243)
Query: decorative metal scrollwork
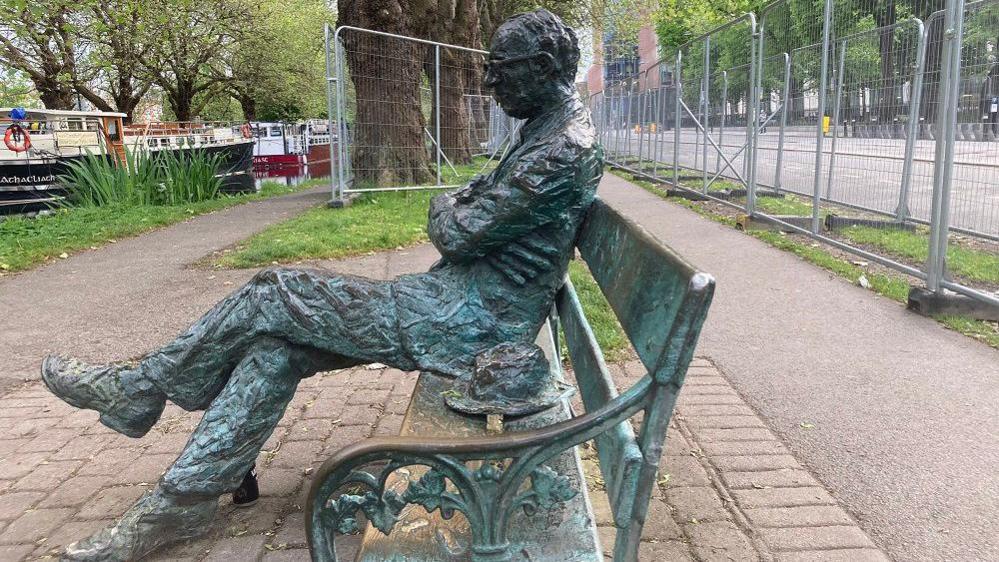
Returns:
(547,490)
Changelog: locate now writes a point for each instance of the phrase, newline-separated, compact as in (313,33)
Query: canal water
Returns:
(292,174)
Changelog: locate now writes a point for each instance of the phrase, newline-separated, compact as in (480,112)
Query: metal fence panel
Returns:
(408,112)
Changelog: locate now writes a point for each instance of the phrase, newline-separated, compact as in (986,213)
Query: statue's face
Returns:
(518,74)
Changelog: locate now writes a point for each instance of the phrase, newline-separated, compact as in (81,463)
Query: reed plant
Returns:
(142,178)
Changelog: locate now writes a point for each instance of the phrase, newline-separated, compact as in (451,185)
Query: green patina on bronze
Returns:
(505,240)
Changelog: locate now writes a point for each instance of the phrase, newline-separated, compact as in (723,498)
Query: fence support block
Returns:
(929,303)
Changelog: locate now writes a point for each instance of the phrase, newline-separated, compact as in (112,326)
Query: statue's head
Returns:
(532,63)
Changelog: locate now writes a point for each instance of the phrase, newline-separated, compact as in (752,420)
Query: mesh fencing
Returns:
(410,114)
(844,120)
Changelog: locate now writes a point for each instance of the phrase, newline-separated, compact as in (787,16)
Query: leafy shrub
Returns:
(158,178)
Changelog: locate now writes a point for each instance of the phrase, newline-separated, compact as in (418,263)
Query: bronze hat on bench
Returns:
(513,379)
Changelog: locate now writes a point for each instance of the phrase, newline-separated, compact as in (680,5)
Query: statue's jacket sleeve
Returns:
(506,239)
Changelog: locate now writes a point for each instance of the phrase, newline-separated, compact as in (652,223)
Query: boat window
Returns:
(276,131)
(151,143)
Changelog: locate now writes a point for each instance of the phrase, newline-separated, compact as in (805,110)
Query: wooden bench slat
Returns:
(623,256)
(620,456)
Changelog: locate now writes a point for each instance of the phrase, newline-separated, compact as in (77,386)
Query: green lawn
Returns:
(378,221)
(27,242)
(609,333)
(894,287)
(382,220)
(977,265)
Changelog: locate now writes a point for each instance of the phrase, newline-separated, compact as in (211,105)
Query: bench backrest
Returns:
(661,301)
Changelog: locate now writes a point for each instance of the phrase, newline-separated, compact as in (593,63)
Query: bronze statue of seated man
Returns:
(506,239)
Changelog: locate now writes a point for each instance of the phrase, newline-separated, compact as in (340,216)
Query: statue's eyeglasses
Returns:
(493,65)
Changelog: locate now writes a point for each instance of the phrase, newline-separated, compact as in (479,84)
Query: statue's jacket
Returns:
(506,240)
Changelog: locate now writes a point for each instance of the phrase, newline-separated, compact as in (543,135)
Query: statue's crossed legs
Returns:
(241,363)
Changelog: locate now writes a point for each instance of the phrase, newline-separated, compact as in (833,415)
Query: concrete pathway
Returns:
(897,415)
(126,297)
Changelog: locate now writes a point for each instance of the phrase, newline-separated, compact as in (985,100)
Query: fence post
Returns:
(678,120)
(721,124)
(437,108)
(343,143)
(755,87)
(912,126)
(784,102)
(950,81)
(706,110)
(641,121)
(335,197)
(819,136)
(835,120)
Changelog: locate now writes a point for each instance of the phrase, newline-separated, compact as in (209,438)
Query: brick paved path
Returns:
(730,490)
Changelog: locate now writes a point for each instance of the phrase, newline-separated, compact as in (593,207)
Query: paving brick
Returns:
(34,525)
(748,463)
(676,444)
(48,475)
(782,497)
(239,548)
(292,531)
(111,502)
(798,516)
(49,441)
(16,553)
(75,491)
(770,478)
(280,482)
(684,471)
(672,551)
(705,380)
(722,422)
(262,517)
(714,410)
(368,396)
(146,468)
(815,538)
(343,436)
(12,413)
(73,531)
(699,503)
(686,399)
(607,536)
(296,454)
(736,434)
(721,541)
(11,445)
(842,555)
(359,415)
(17,466)
(659,523)
(82,447)
(713,389)
(14,504)
(310,429)
(172,443)
(31,426)
(389,425)
(602,514)
(744,448)
(324,409)
(111,461)
(290,555)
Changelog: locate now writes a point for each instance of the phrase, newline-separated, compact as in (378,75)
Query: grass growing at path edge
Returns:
(27,242)
(376,221)
(608,331)
(891,286)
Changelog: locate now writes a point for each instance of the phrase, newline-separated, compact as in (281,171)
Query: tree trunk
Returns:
(249,107)
(54,93)
(388,143)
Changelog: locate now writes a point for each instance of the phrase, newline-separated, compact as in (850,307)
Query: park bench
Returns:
(521,493)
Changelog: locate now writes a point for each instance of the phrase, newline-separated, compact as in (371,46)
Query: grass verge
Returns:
(383,220)
(608,331)
(894,287)
(27,242)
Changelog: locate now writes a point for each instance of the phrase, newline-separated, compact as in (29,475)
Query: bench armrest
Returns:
(487,492)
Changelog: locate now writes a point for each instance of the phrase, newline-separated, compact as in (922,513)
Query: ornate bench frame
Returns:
(660,300)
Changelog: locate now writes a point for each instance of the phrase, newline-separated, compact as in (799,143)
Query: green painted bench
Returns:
(447,489)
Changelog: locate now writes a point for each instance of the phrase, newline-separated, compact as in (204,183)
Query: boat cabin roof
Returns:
(5,112)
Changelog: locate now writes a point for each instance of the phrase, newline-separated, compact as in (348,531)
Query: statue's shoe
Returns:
(127,405)
(157,519)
